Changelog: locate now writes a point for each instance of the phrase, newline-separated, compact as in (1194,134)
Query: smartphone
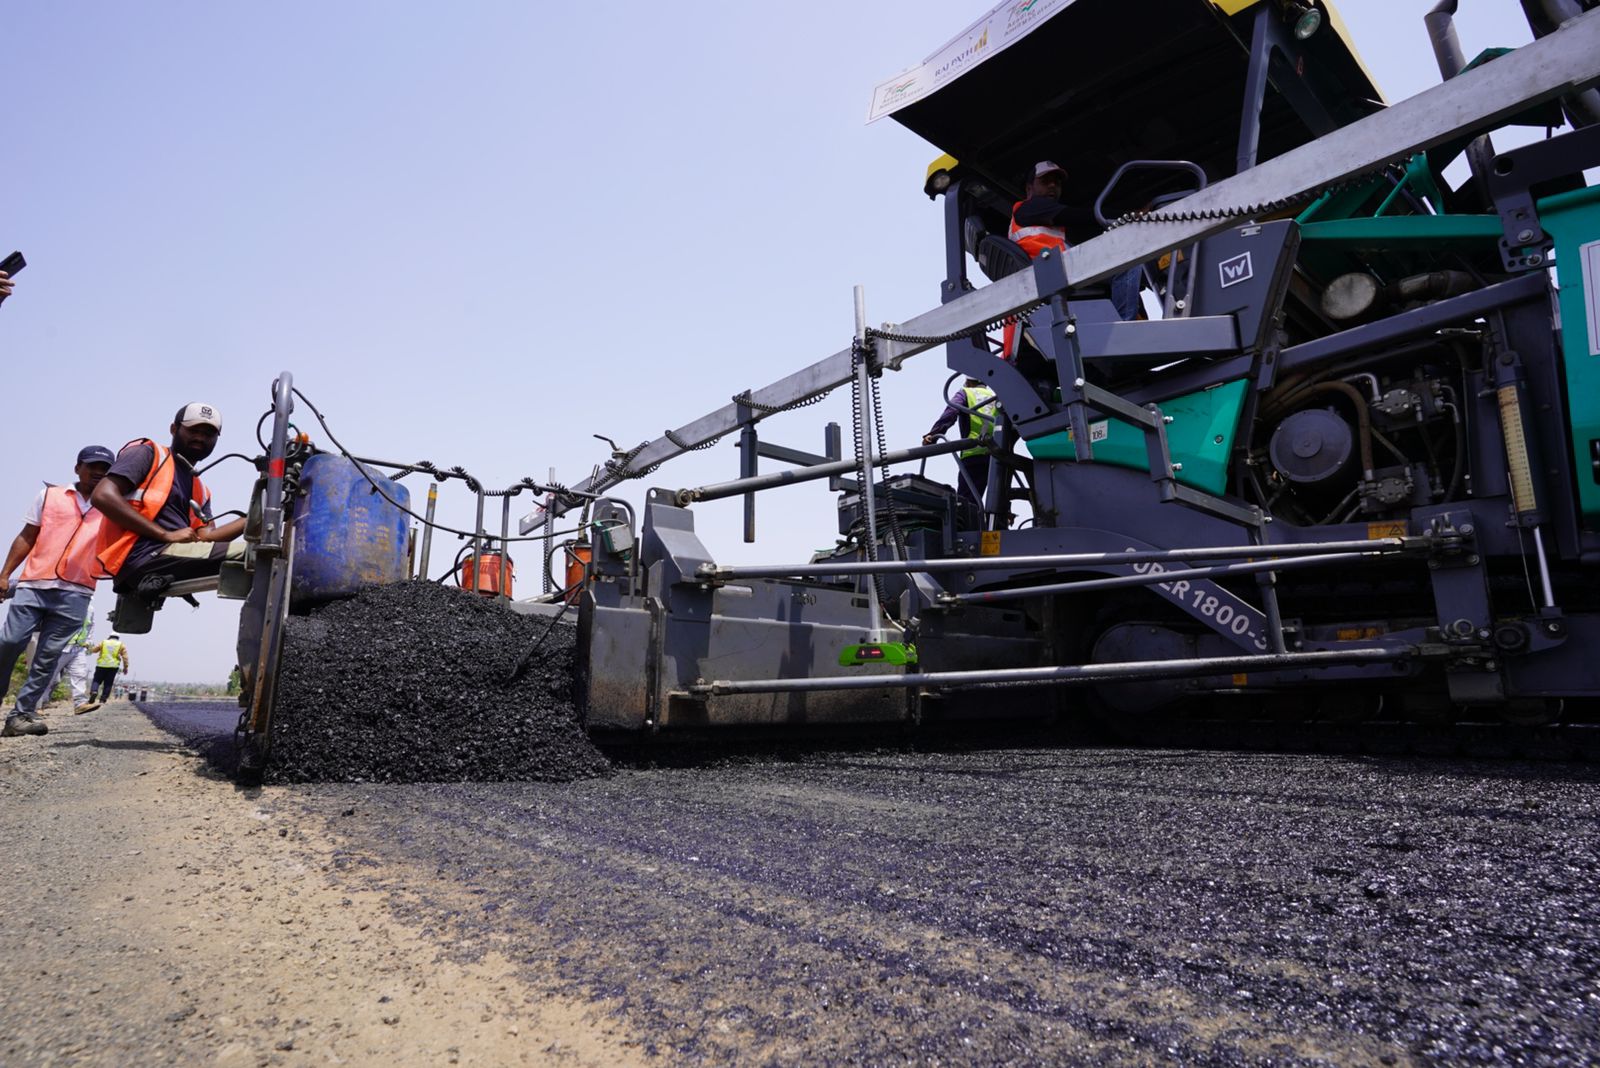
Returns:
(11,265)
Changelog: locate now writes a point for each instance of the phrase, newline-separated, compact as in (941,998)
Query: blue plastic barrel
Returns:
(347,537)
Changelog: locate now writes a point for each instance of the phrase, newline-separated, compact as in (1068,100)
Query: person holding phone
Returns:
(8,267)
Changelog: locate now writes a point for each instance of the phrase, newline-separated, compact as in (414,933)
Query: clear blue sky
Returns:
(477,233)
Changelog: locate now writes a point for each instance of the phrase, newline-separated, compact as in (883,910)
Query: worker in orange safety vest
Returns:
(158,527)
(57,548)
(1040,221)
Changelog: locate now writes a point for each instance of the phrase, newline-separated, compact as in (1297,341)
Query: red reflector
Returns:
(871,653)
(275,468)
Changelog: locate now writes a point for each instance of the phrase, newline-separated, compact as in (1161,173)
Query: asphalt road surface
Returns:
(1016,906)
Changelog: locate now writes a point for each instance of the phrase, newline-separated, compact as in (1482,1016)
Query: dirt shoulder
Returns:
(156,914)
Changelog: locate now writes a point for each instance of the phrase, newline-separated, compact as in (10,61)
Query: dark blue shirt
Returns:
(133,463)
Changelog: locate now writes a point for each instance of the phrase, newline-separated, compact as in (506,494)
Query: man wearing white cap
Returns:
(158,527)
(1040,220)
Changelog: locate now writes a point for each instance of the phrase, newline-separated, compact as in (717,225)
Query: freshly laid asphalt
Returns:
(1019,906)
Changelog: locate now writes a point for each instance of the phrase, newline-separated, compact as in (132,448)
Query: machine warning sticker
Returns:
(1357,634)
(989,543)
(1097,431)
(1235,269)
(1385,530)
(1589,265)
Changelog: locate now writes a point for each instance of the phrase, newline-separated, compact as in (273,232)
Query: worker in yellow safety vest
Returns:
(974,408)
(110,655)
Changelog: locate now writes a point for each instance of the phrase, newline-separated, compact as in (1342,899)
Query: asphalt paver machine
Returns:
(1345,464)
(1348,460)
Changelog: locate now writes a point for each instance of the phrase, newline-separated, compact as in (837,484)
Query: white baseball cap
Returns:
(193,414)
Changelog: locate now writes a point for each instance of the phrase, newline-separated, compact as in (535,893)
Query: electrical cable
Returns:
(527,657)
(859,352)
(218,460)
(956,335)
(379,490)
(897,536)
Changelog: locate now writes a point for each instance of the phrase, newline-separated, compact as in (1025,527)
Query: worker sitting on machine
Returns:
(1040,221)
(973,406)
(158,528)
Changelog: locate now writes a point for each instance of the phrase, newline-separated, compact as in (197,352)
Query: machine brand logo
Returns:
(1235,269)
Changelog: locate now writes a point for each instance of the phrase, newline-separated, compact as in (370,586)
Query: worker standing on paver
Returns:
(158,527)
(973,406)
(110,655)
(56,548)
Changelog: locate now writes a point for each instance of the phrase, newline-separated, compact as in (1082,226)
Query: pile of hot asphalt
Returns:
(418,682)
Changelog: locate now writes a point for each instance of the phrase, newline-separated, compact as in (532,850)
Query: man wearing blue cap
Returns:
(56,548)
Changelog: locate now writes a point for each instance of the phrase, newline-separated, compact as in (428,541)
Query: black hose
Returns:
(360,467)
(218,460)
(527,658)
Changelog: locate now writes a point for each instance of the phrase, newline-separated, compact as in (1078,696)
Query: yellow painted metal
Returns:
(1336,23)
(1523,496)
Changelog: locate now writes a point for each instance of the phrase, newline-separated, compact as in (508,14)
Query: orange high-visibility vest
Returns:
(148,500)
(1034,240)
(67,544)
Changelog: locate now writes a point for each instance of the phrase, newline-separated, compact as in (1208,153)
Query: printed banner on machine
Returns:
(1008,23)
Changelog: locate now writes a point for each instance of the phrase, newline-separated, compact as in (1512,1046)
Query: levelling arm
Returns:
(1553,66)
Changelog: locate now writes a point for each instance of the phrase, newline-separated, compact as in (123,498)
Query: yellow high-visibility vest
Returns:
(110,654)
(983,423)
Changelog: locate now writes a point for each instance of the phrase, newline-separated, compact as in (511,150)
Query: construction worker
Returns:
(158,527)
(110,655)
(75,664)
(973,407)
(1040,221)
(56,548)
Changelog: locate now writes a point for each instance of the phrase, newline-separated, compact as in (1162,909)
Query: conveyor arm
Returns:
(1553,66)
